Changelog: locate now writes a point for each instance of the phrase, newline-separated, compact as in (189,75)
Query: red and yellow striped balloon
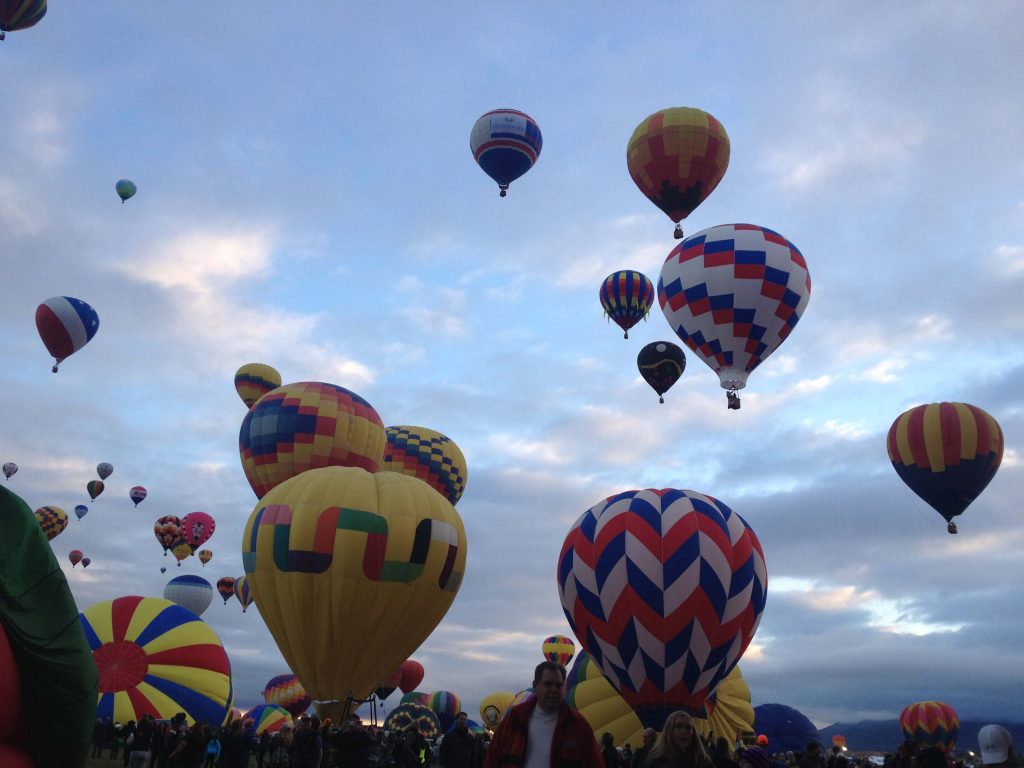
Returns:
(559,649)
(947,453)
(932,723)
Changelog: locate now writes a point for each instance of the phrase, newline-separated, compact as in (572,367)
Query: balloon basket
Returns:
(951,527)
(678,234)
(733,400)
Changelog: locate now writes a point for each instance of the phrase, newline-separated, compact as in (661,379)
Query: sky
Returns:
(307,199)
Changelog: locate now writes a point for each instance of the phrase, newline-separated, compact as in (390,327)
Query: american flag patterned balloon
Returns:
(664,589)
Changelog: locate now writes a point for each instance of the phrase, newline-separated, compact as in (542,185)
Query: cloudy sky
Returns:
(307,199)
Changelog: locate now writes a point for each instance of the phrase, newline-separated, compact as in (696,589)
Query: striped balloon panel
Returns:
(66,324)
(20,14)
(158,658)
(627,296)
(266,717)
(664,589)
(933,723)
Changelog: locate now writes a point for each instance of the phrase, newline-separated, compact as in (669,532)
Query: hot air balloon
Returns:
(81,511)
(95,488)
(733,293)
(388,685)
(432,457)
(137,494)
(677,157)
(85,562)
(839,741)
(445,705)
(304,426)
(491,707)
(167,530)
(125,188)
(53,521)
(786,729)
(20,14)
(75,556)
(412,675)
(188,591)
(205,556)
(156,657)
(9,469)
(379,556)
(417,716)
(226,588)
(933,723)
(505,144)
(947,453)
(559,649)
(416,697)
(197,528)
(661,363)
(254,380)
(181,549)
(243,592)
(266,717)
(664,589)
(627,296)
(104,470)
(163,569)
(286,691)
(65,325)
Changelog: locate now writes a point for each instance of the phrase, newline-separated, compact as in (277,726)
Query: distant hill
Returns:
(885,735)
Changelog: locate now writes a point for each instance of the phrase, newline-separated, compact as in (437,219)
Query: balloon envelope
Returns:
(125,188)
(627,296)
(416,697)
(167,530)
(65,325)
(559,649)
(85,562)
(415,716)
(933,723)
(137,494)
(661,363)
(188,591)
(445,705)
(20,14)
(787,729)
(94,488)
(81,511)
(205,556)
(412,675)
(242,592)
(286,691)
(505,144)
(226,588)
(53,521)
(197,528)
(254,380)
(266,717)
(491,707)
(9,469)
(75,556)
(104,470)
(428,455)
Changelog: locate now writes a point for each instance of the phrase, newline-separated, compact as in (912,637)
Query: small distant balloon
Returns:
(254,380)
(226,588)
(95,488)
(137,494)
(505,144)
(661,363)
(75,556)
(627,296)
(20,14)
(167,530)
(163,569)
(242,592)
(9,469)
(65,325)
(85,562)
(81,511)
(125,189)
(181,550)
(53,521)
(205,556)
(104,470)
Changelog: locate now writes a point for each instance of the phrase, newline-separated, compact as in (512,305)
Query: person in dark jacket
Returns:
(459,747)
(351,744)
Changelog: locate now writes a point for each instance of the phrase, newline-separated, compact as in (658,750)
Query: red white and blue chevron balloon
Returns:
(664,589)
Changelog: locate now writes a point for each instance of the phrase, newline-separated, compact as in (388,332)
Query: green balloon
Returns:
(125,189)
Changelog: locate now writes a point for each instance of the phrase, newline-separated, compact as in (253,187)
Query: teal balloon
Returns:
(125,189)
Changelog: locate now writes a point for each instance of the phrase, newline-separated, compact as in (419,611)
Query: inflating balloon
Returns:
(627,297)
(75,556)
(181,549)
(53,521)
(81,511)
(432,457)
(491,707)
(412,675)
(305,426)
(933,723)
(197,528)
(104,470)
(559,649)
(445,705)
(225,587)
(95,488)
(947,453)
(505,144)
(677,157)
(65,325)
(204,556)
(664,589)
(254,380)
(156,658)
(379,556)
(20,14)
(786,729)
(192,592)
(733,293)
(167,530)
(286,691)
(416,716)
(137,494)
(242,592)
(9,469)
(125,188)
(661,363)
(266,717)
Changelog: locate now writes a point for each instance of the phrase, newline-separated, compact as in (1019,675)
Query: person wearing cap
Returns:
(996,746)
(678,745)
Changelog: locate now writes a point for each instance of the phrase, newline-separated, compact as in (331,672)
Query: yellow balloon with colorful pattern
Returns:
(53,521)
(254,380)
(432,457)
(377,558)
(492,706)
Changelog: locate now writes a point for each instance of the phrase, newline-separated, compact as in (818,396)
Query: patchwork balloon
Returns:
(254,380)
(733,293)
(226,588)
(167,530)
(559,649)
(505,144)
(406,716)
(306,426)
(661,363)
(270,718)
(286,691)
(428,455)
(627,297)
(137,494)
(664,589)
(188,591)
(933,723)
(53,521)
(65,325)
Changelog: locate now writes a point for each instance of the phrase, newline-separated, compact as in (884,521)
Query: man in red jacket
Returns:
(543,732)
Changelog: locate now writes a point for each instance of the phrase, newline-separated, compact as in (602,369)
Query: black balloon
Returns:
(661,363)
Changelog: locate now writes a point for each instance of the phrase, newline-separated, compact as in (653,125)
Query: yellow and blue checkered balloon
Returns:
(428,455)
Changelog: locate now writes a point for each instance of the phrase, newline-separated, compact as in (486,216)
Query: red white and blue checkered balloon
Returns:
(664,589)
(65,325)
(733,293)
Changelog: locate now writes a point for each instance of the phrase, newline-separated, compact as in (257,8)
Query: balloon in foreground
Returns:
(242,592)
(432,457)
(933,723)
(664,589)
(266,717)
(20,14)
(677,157)
(157,658)
(167,530)
(661,363)
(379,556)
(445,705)
(306,426)
(254,380)
(137,494)
(947,453)
(188,591)
(416,716)
(94,488)
(505,144)
(75,556)
(226,588)
(125,188)
(286,691)
(205,556)
(412,675)
(65,325)
(733,293)
(491,707)
(81,511)
(9,469)
(787,729)
(104,470)
(559,649)
(53,521)
(627,296)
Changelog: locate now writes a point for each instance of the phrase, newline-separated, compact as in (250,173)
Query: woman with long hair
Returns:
(678,745)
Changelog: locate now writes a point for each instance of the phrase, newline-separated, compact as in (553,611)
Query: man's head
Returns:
(548,681)
(995,744)
(650,736)
(462,721)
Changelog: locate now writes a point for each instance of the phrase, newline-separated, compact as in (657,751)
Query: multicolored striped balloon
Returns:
(428,455)
(157,658)
(664,589)
(226,588)
(266,717)
(505,144)
(286,691)
(53,521)
(932,723)
(416,697)
(65,325)
(94,488)
(445,705)
(20,14)
(947,453)
(242,592)
(254,380)
(627,297)
(305,426)
(559,649)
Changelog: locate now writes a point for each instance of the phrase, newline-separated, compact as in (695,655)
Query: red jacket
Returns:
(572,746)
